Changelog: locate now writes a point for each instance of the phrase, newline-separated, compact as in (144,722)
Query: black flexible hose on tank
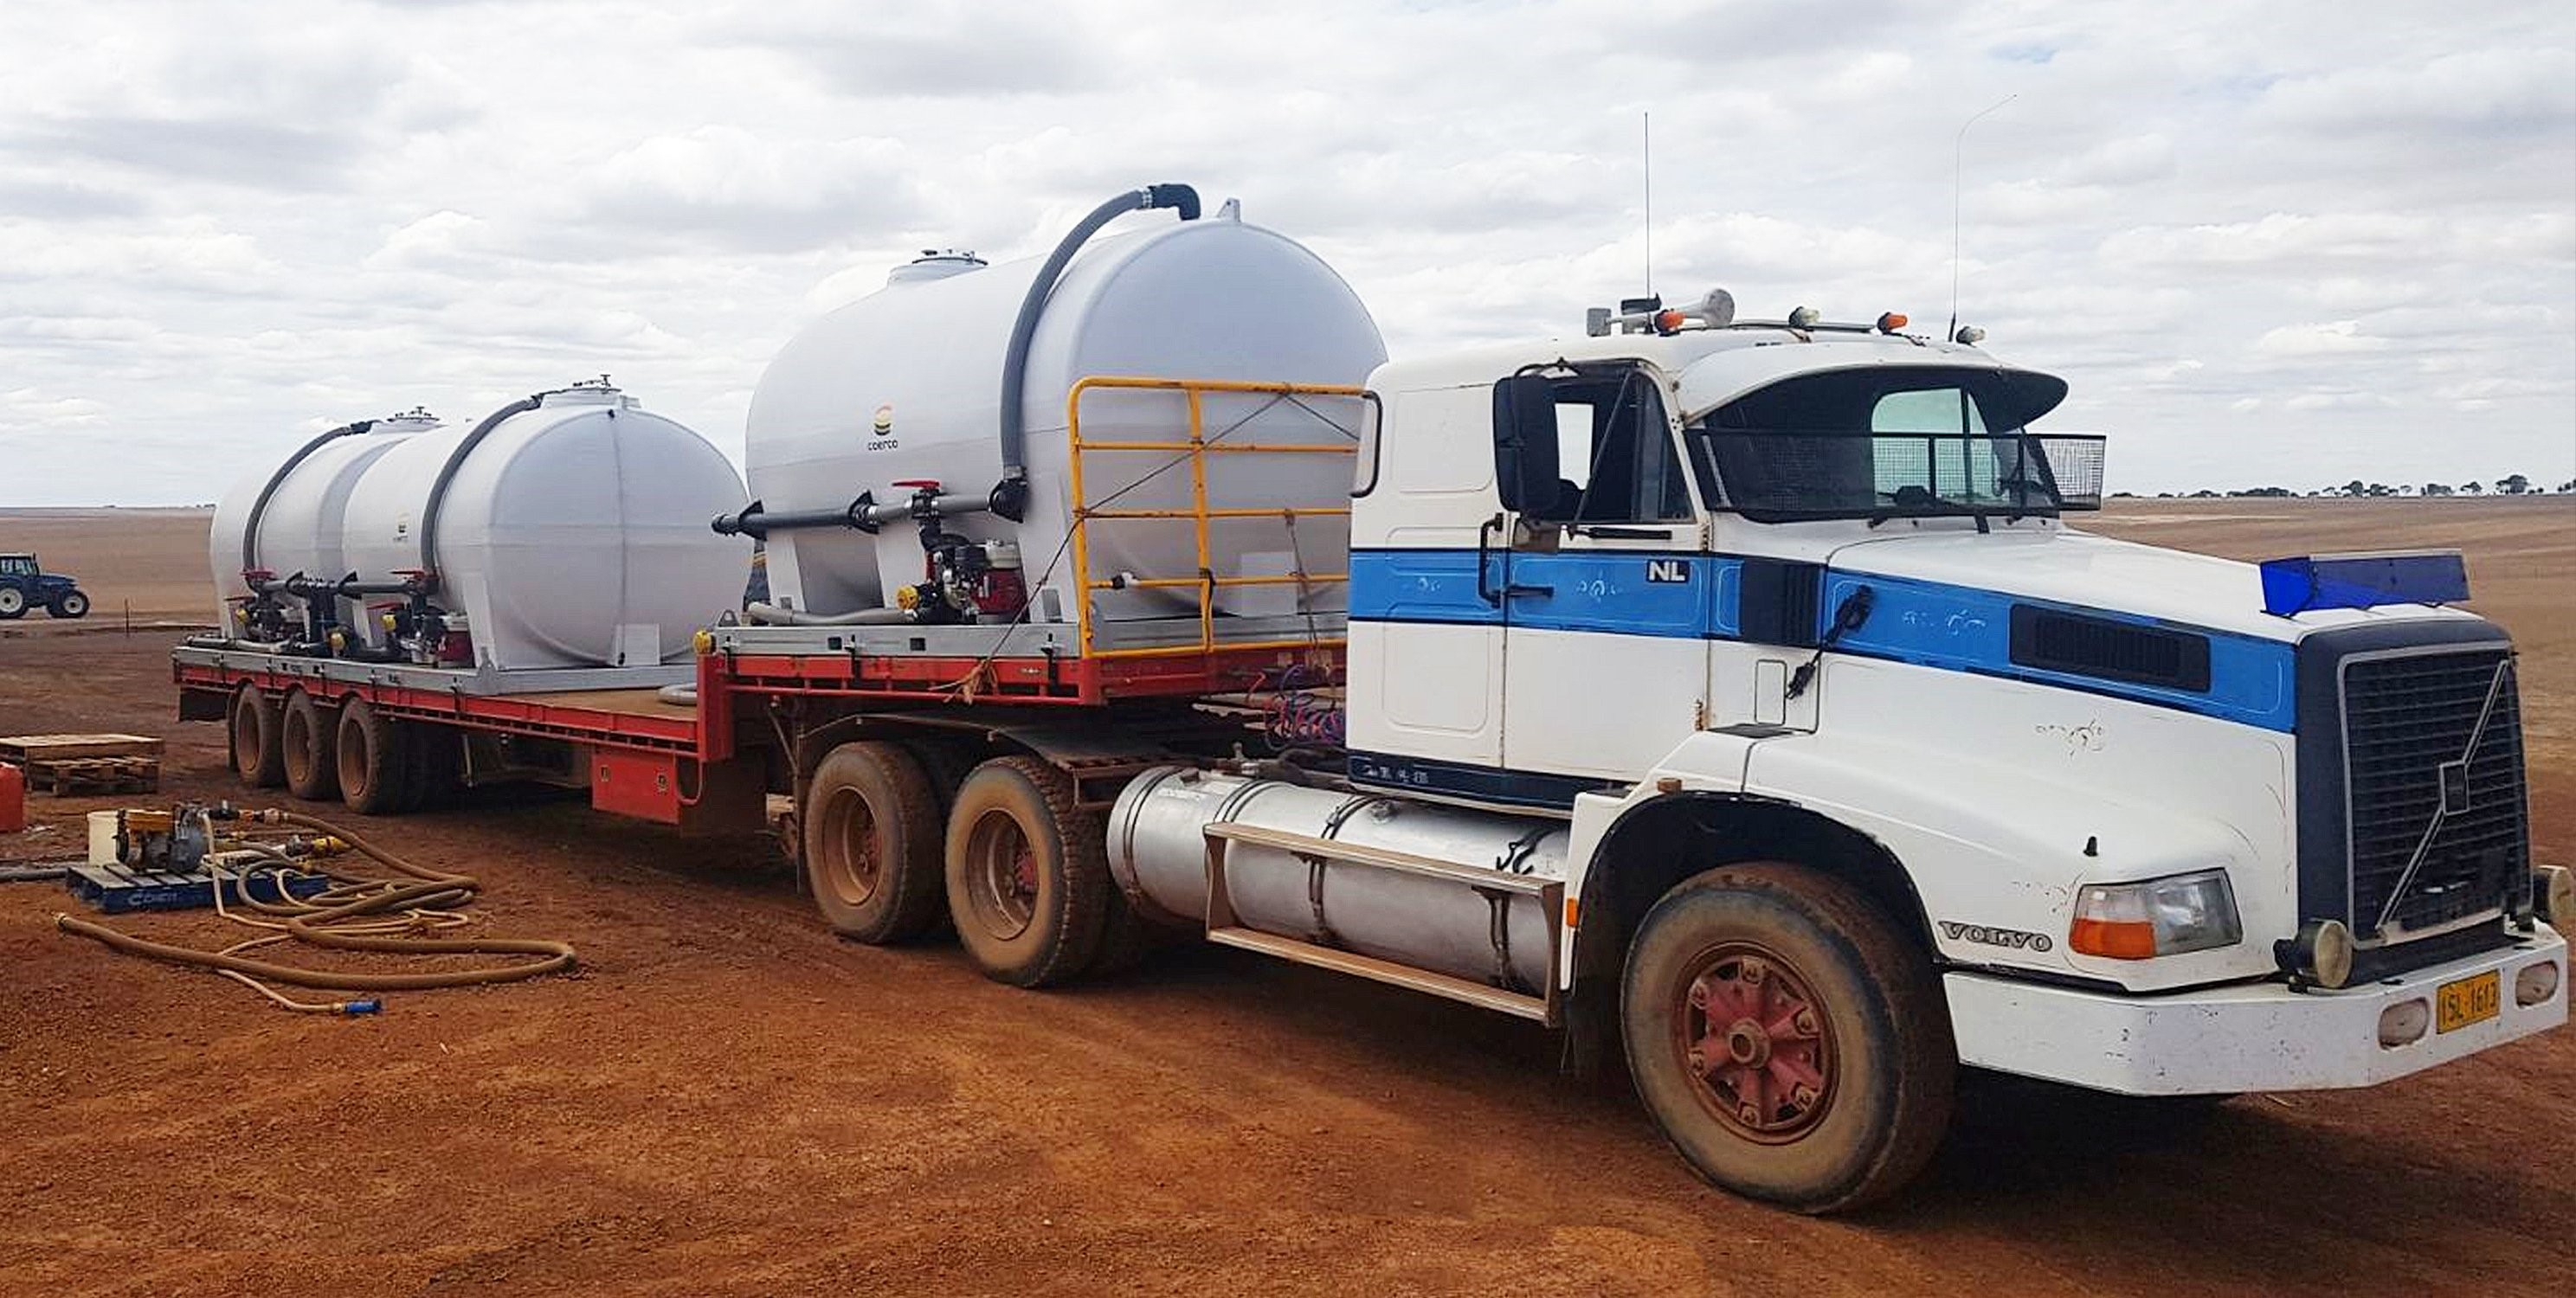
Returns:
(447,474)
(1010,497)
(258,507)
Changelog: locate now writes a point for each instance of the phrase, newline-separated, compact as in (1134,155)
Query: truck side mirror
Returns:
(1525,443)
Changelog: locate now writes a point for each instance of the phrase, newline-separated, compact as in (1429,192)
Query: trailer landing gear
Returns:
(1787,1038)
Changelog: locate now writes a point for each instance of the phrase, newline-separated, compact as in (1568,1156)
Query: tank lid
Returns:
(588,392)
(415,420)
(934,263)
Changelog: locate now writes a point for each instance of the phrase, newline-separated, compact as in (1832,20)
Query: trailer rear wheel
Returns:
(436,768)
(374,759)
(308,744)
(1028,873)
(1787,1038)
(871,843)
(258,756)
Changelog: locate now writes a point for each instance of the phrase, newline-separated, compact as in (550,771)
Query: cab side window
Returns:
(1615,457)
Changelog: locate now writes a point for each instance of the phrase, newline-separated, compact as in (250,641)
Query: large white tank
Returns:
(299,528)
(905,384)
(573,535)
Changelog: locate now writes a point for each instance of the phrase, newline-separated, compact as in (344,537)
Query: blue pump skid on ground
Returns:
(115,889)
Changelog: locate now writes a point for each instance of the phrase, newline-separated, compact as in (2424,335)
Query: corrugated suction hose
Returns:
(383,916)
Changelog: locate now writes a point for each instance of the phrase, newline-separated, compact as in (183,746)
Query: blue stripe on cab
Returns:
(1694,596)
(1961,628)
(1422,586)
(1616,592)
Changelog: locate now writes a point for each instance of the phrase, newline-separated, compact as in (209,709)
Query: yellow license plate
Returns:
(2470,1000)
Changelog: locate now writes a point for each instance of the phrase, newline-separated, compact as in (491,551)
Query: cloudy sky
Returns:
(2277,242)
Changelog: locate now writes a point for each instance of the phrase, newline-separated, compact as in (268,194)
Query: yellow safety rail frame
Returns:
(1197,448)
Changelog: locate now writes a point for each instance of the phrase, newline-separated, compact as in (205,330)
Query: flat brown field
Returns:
(727,1100)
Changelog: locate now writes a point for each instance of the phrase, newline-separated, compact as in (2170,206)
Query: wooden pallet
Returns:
(66,765)
(117,889)
(90,775)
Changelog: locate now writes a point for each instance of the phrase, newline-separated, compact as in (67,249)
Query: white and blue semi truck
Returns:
(1732,695)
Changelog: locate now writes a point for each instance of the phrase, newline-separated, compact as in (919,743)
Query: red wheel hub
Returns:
(1754,1035)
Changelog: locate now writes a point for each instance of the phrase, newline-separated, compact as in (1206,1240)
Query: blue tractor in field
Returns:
(24,585)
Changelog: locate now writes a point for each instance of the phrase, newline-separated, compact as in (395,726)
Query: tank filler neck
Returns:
(1010,496)
(933,264)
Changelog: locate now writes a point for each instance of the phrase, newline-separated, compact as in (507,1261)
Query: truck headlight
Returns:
(2167,916)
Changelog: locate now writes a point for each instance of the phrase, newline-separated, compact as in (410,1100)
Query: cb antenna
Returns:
(1958,172)
(1646,149)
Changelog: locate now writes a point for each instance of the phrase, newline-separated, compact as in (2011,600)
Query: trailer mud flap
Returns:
(204,705)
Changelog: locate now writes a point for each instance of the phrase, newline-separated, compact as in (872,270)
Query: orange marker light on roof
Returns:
(1891,322)
(1669,321)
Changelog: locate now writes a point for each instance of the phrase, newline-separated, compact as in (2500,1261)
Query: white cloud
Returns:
(2339,338)
(224,224)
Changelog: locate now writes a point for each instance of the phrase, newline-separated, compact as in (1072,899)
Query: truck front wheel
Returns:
(871,843)
(1787,1038)
(1028,873)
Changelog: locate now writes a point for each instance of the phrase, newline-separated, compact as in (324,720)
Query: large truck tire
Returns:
(872,844)
(13,603)
(309,747)
(1028,874)
(70,603)
(1126,936)
(375,761)
(1787,1038)
(258,756)
(436,769)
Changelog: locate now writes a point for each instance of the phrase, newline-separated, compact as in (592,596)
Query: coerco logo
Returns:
(2012,938)
(881,430)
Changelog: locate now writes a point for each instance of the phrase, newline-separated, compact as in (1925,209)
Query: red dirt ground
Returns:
(727,1100)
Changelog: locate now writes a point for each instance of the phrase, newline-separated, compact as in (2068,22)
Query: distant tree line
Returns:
(2511,484)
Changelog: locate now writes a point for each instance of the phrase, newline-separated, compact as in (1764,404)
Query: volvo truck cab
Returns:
(1870,763)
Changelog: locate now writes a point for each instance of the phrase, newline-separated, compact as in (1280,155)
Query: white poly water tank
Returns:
(299,529)
(905,384)
(572,535)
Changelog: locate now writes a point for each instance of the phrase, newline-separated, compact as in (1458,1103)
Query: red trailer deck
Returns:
(702,757)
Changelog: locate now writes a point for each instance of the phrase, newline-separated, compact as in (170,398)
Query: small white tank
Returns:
(572,535)
(905,384)
(299,529)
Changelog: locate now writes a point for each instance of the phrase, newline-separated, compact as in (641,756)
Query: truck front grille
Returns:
(2433,770)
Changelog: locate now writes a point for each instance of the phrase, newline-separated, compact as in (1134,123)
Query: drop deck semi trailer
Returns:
(1731,694)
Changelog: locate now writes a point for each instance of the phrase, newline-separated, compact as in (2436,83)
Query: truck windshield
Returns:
(1895,443)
